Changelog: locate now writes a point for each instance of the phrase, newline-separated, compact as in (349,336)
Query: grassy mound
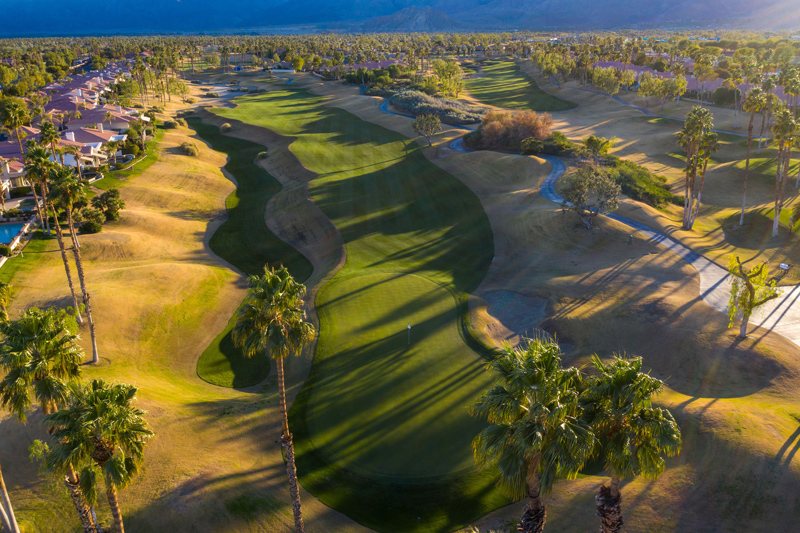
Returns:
(244,241)
(502,84)
(417,241)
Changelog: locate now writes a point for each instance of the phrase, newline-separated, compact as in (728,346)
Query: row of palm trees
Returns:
(546,422)
(95,430)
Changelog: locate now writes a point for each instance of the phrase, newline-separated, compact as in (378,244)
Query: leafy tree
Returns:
(110,203)
(272,320)
(606,79)
(427,126)
(590,192)
(102,432)
(633,435)
(750,289)
(598,147)
(535,434)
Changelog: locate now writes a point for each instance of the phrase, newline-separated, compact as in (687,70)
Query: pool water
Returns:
(9,231)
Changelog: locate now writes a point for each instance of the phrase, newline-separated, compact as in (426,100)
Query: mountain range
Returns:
(55,17)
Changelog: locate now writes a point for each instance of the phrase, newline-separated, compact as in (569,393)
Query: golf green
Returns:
(503,84)
(381,427)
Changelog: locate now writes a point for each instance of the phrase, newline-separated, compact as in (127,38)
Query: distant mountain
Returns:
(412,19)
(32,17)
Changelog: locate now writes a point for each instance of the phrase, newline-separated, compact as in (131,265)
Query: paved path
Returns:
(779,315)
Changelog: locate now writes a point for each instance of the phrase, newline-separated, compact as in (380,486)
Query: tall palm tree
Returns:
(48,136)
(535,434)
(273,320)
(75,152)
(7,517)
(101,429)
(696,127)
(634,436)
(709,143)
(753,104)
(37,162)
(39,168)
(5,296)
(14,117)
(785,130)
(65,191)
(768,85)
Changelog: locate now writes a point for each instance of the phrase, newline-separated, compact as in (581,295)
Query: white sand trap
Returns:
(515,315)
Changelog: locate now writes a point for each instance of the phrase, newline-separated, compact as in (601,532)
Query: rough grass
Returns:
(398,215)
(503,84)
(244,241)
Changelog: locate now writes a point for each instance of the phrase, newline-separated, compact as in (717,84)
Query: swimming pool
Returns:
(9,231)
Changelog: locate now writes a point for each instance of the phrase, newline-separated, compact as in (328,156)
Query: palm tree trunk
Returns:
(82,278)
(609,507)
(85,516)
(288,446)
(747,166)
(60,238)
(39,208)
(9,518)
(72,228)
(113,503)
(761,135)
(699,195)
(787,154)
(534,517)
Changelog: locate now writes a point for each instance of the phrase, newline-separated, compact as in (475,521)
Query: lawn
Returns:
(417,241)
(503,84)
(244,241)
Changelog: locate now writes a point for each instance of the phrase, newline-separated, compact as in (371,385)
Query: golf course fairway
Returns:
(382,430)
(503,84)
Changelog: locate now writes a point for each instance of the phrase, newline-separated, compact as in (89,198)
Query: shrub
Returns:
(449,111)
(90,226)
(531,146)
(188,148)
(225,128)
(191,100)
(641,184)
(558,144)
(109,203)
(262,155)
(157,109)
(13,213)
(132,150)
(211,95)
(170,124)
(503,130)
(88,214)
(5,250)
(19,192)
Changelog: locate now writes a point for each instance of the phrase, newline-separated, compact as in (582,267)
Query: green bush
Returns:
(188,148)
(225,128)
(19,192)
(90,226)
(531,146)
(191,101)
(5,250)
(262,155)
(558,144)
(211,95)
(641,184)
(132,150)
(170,124)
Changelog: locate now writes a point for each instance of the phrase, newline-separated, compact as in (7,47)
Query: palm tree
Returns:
(5,296)
(101,429)
(696,127)
(634,436)
(272,320)
(785,130)
(535,434)
(753,104)
(75,152)
(768,85)
(66,190)
(39,168)
(37,162)
(14,117)
(6,510)
(48,136)
(39,355)
(709,143)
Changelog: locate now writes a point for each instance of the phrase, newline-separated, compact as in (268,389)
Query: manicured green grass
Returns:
(382,431)
(503,84)
(32,256)
(118,178)
(244,241)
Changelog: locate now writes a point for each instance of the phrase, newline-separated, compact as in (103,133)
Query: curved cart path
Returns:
(779,315)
